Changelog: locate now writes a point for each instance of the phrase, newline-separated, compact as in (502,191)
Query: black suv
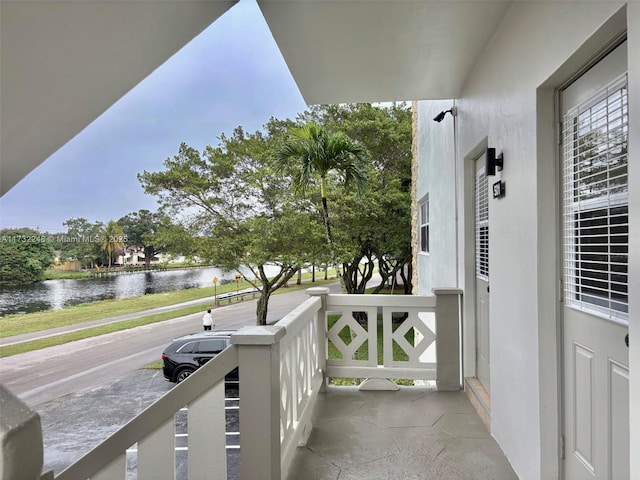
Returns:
(188,353)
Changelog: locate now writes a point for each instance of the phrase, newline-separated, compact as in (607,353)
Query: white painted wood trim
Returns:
(401,301)
(156,453)
(338,371)
(145,423)
(206,421)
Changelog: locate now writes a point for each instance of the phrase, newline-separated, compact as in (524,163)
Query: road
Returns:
(51,373)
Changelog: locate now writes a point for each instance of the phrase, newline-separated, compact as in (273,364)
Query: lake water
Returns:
(56,294)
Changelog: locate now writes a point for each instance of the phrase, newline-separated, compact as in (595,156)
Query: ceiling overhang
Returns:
(65,62)
(373,51)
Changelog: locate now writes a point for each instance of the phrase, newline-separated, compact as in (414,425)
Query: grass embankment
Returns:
(362,353)
(65,274)
(50,274)
(34,322)
(6,351)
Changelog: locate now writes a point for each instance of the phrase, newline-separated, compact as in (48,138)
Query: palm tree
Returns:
(311,152)
(112,237)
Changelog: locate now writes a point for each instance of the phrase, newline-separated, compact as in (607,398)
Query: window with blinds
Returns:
(482,225)
(424,225)
(595,211)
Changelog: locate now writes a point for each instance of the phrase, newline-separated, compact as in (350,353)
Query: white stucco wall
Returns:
(508,103)
(633,20)
(436,173)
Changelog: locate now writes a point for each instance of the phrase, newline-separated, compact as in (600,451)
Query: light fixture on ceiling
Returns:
(453,111)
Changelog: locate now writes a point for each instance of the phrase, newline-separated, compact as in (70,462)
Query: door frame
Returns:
(564,368)
(482,318)
(468,273)
(549,198)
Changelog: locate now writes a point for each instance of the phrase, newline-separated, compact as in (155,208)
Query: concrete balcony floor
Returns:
(413,433)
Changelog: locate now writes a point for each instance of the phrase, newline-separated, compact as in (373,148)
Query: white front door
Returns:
(482,273)
(595,274)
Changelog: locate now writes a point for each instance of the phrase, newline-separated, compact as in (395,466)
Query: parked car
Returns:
(188,353)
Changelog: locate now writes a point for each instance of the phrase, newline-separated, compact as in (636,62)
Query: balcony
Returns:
(414,433)
(296,422)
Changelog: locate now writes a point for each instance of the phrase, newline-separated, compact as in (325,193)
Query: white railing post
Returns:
(20,438)
(321,329)
(259,370)
(448,301)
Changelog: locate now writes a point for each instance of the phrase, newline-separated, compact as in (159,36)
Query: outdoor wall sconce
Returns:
(493,162)
(453,111)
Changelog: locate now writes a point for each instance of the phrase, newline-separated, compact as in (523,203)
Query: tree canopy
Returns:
(112,240)
(236,210)
(373,229)
(141,229)
(311,154)
(80,242)
(233,204)
(24,255)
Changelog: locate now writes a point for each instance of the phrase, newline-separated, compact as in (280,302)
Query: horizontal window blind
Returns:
(482,225)
(595,211)
(424,225)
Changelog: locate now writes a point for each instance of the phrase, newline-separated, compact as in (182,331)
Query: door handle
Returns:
(626,340)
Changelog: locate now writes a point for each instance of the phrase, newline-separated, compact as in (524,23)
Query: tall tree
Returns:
(312,153)
(112,238)
(141,229)
(236,210)
(81,241)
(24,255)
(367,237)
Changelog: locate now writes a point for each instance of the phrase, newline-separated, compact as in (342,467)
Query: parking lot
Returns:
(74,424)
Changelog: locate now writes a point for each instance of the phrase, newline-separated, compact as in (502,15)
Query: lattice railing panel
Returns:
(359,337)
(300,376)
(423,338)
(406,321)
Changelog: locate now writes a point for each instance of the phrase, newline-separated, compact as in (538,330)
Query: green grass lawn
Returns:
(65,274)
(50,274)
(363,351)
(16,324)
(33,322)
(8,350)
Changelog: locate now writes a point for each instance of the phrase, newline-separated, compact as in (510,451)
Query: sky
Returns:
(231,74)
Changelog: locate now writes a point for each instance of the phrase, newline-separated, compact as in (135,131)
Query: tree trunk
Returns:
(262,307)
(148,255)
(327,228)
(313,273)
(355,280)
(408,286)
(327,225)
(299,280)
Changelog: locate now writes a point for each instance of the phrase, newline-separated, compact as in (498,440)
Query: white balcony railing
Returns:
(282,369)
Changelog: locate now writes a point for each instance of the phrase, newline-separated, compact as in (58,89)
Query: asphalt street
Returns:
(86,390)
(44,375)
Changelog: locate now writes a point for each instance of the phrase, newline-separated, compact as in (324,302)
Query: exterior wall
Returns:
(436,172)
(508,103)
(633,21)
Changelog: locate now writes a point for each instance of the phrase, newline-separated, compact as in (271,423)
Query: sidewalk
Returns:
(52,332)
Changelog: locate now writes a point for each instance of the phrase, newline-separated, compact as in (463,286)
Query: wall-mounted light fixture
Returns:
(493,162)
(453,111)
